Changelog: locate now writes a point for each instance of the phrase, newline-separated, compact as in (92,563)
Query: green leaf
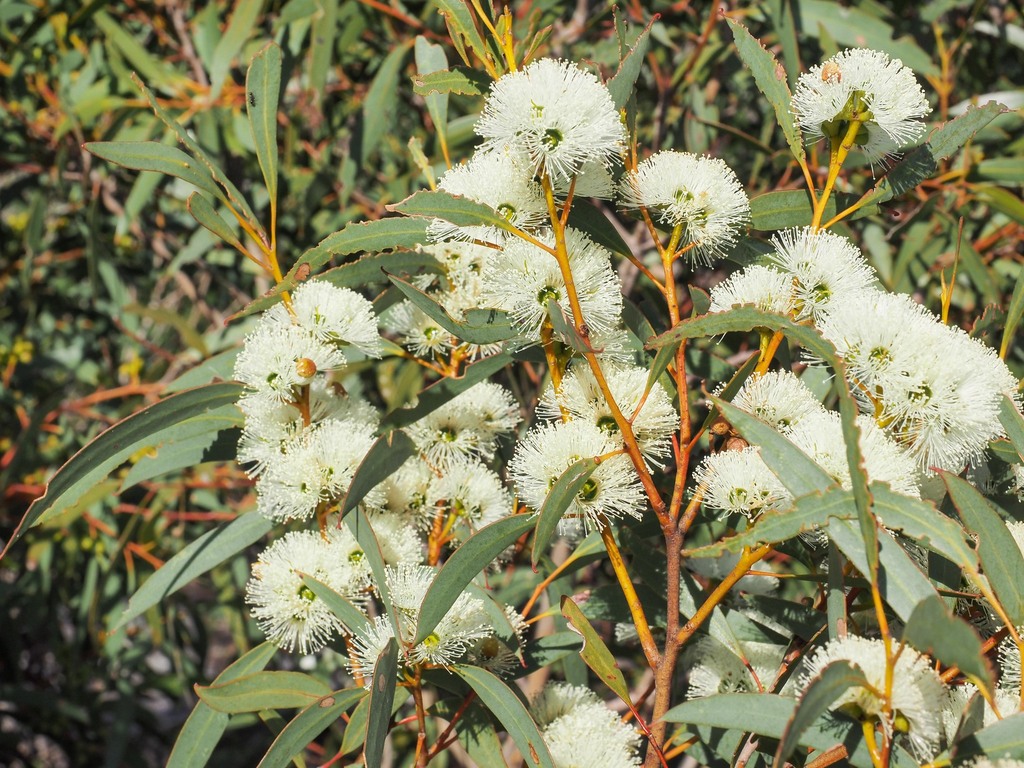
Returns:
(621,84)
(496,326)
(382,695)
(238,30)
(382,101)
(511,713)
(203,212)
(545,651)
(359,524)
(353,618)
(154,156)
(460,211)
(1000,556)
(205,726)
(926,525)
(431,58)
(900,580)
(263,88)
(385,456)
(208,551)
(922,162)
(594,652)
(557,501)
(934,630)
(367,236)
(104,453)
(475,554)
(263,690)
(142,61)
(307,725)
(1012,421)
(808,511)
(768,714)
(590,219)
(461,80)
(1004,738)
(831,683)
(771,81)
(212,436)
(443,390)
(792,208)
(355,732)
(462,29)
(230,193)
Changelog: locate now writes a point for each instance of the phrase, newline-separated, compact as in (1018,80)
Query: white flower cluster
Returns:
(466,632)
(554,123)
(738,481)
(866,87)
(916,690)
(931,387)
(304,438)
(579,730)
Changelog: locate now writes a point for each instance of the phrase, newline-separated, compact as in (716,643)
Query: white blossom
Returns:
(916,690)
(579,730)
(559,115)
(700,194)
(766,288)
(527,277)
(866,85)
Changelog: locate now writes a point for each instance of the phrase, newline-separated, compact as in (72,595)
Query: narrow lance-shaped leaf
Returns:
(154,156)
(460,211)
(243,19)
(460,80)
(381,101)
(230,193)
(808,512)
(353,618)
(771,81)
(205,726)
(768,714)
(794,468)
(1004,738)
(511,713)
(1001,558)
(747,318)
(307,725)
(496,328)
(431,58)
(1012,420)
(561,495)
(263,87)
(359,524)
(356,274)
(385,456)
(594,652)
(263,690)
(444,390)
(833,681)
(196,558)
(204,213)
(920,163)
(900,581)
(382,694)
(621,84)
(475,554)
(934,630)
(107,451)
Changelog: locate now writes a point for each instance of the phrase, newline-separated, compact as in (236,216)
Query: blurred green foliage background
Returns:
(110,292)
